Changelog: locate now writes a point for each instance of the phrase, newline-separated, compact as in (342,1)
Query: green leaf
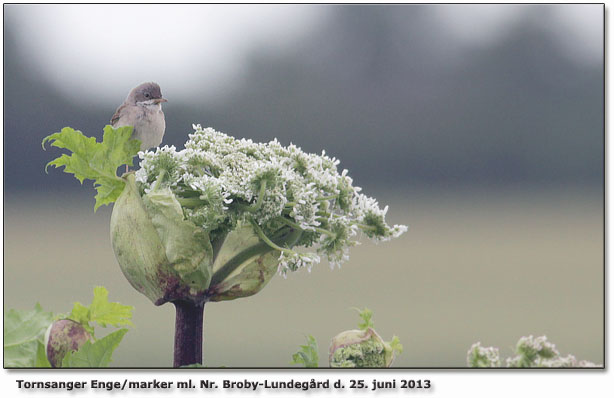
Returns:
(101,311)
(81,314)
(104,312)
(186,245)
(41,356)
(23,331)
(96,161)
(308,354)
(365,315)
(95,355)
(395,345)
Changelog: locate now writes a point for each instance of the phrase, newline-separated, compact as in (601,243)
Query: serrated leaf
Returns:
(107,192)
(365,314)
(97,161)
(308,354)
(81,314)
(104,312)
(395,345)
(23,330)
(101,311)
(95,355)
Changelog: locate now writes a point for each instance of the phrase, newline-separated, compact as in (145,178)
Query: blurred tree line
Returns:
(378,88)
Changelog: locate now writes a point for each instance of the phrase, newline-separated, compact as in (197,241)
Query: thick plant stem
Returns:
(188,333)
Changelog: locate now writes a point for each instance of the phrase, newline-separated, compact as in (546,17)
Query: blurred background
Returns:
(482,126)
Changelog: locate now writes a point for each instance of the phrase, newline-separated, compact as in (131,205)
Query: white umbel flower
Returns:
(220,180)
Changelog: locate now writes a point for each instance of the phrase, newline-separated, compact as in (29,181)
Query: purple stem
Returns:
(188,333)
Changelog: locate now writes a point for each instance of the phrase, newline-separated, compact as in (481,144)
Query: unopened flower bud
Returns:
(61,337)
(362,349)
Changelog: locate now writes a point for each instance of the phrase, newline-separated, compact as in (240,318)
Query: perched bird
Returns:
(142,110)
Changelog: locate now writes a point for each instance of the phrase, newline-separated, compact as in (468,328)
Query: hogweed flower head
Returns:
(220,180)
(224,214)
(363,348)
(483,357)
(530,352)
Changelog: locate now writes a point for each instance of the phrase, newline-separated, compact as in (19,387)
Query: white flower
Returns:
(219,179)
(483,357)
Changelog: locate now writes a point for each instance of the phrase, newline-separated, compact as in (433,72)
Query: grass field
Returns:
(487,266)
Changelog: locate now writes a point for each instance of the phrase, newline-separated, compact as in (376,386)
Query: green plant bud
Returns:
(162,255)
(168,258)
(61,337)
(361,349)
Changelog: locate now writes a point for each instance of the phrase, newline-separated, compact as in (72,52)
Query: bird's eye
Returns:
(146,95)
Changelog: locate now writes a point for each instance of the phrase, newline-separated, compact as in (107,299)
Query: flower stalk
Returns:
(188,333)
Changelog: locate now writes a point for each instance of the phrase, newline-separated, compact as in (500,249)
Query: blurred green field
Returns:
(475,265)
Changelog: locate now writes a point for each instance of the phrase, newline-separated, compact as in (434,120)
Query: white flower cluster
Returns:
(531,352)
(220,180)
(538,352)
(483,357)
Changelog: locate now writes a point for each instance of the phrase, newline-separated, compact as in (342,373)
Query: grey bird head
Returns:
(145,94)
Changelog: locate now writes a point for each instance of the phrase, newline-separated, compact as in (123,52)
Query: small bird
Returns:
(142,110)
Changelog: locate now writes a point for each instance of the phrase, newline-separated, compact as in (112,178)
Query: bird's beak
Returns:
(160,100)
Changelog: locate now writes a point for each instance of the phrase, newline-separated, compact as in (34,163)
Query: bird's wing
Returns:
(117,115)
